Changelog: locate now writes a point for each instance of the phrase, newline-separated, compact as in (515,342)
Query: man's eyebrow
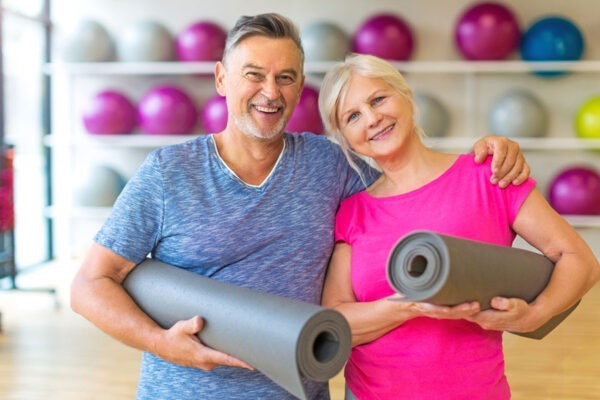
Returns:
(252,66)
(290,71)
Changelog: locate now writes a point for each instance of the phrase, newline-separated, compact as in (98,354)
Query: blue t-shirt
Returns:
(185,207)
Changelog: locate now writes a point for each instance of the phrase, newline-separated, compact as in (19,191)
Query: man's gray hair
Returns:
(270,25)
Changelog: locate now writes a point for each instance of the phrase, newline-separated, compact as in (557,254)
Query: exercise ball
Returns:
(146,41)
(518,113)
(487,31)
(386,36)
(431,115)
(576,190)
(324,41)
(587,119)
(306,117)
(89,42)
(109,112)
(213,115)
(201,41)
(167,110)
(552,38)
(97,186)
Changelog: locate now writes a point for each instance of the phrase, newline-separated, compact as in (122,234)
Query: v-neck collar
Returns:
(234,176)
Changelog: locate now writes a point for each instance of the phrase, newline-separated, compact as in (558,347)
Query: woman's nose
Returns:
(373,116)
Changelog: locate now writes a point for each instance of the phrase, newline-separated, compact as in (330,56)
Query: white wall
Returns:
(432,22)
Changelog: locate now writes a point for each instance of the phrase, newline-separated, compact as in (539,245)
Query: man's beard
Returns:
(247,125)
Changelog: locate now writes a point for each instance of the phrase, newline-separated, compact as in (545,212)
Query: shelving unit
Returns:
(71,136)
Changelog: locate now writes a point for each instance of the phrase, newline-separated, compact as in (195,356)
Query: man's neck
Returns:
(252,160)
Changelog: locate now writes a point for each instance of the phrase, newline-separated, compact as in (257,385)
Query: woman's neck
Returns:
(409,171)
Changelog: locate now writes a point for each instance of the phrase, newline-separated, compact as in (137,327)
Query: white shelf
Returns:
(130,68)
(134,140)
(583,221)
(547,143)
(431,67)
(94,213)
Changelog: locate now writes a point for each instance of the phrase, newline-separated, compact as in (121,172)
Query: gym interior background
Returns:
(75,74)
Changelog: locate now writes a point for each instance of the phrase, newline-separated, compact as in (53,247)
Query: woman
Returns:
(407,350)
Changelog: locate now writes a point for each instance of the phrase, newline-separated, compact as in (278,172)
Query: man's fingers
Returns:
(214,358)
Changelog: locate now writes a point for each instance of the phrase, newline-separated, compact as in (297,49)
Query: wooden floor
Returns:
(52,354)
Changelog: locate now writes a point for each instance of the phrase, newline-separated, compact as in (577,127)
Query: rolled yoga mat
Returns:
(429,267)
(285,339)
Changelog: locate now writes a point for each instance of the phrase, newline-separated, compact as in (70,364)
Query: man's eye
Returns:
(285,80)
(254,76)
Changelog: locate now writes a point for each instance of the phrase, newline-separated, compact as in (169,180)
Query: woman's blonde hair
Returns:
(335,87)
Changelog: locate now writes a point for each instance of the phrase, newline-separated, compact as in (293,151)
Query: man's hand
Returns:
(508,162)
(180,345)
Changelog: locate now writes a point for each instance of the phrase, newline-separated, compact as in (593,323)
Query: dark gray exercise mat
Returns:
(445,270)
(283,338)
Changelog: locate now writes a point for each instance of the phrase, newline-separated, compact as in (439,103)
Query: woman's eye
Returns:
(378,99)
(352,117)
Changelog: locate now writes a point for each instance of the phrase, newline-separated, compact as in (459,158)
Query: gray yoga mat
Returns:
(445,270)
(285,339)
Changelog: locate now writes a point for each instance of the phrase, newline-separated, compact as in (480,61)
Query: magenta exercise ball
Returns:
(109,112)
(386,36)
(201,41)
(213,115)
(487,31)
(167,110)
(306,117)
(576,190)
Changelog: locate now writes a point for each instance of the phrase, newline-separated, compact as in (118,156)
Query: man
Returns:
(251,205)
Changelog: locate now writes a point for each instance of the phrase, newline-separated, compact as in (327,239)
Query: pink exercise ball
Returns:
(487,31)
(306,117)
(201,41)
(576,191)
(167,110)
(386,36)
(213,115)
(109,112)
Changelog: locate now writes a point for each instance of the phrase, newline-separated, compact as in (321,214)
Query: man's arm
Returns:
(508,162)
(97,294)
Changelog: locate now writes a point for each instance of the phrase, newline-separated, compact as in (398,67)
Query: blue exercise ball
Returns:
(552,38)
(90,41)
(431,115)
(146,41)
(518,113)
(324,41)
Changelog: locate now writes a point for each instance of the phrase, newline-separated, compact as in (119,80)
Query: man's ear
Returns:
(220,78)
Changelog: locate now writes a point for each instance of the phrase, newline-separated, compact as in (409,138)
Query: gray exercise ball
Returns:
(88,42)
(518,113)
(324,41)
(431,115)
(146,41)
(97,186)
